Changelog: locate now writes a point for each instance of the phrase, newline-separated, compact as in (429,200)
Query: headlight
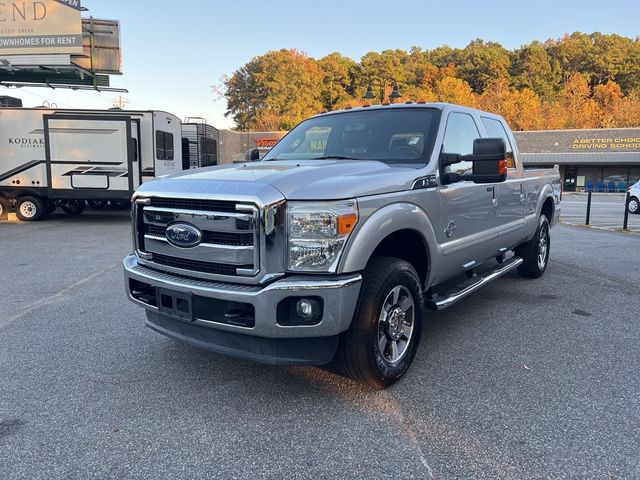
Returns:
(318,233)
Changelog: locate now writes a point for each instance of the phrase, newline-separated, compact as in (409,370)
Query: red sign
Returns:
(267,142)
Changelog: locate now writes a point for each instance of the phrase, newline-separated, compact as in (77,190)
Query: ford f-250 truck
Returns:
(331,248)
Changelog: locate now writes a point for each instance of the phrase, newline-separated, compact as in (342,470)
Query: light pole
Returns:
(395,93)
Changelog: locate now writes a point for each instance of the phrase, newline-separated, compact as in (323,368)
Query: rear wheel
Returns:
(50,206)
(29,209)
(535,252)
(384,335)
(97,204)
(74,207)
(634,205)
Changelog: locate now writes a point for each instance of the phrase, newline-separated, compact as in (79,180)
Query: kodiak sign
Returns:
(40,27)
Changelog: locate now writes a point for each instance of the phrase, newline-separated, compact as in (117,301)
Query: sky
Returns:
(174,51)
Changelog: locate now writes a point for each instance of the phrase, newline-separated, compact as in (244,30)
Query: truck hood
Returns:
(297,180)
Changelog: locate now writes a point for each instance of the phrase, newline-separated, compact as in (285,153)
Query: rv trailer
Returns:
(57,157)
(199,143)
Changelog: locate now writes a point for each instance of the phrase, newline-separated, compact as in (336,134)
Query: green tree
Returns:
(533,68)
(482,63)
(339,77)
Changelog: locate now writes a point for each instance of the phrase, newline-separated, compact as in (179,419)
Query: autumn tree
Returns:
(577,81)
(285,83)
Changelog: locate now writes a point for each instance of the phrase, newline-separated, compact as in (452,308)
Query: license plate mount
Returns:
(176,304)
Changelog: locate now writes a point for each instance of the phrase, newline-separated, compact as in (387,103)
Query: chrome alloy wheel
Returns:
(543,247)
(28,209)
(396,324)
(633,206)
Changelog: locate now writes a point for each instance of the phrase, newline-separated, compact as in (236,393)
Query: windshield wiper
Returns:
(334,157)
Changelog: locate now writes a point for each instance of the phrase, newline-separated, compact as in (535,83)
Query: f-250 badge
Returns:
(451,227)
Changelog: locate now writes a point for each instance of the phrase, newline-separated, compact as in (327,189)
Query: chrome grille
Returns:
(230,238)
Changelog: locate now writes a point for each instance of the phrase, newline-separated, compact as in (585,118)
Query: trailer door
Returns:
(89,154)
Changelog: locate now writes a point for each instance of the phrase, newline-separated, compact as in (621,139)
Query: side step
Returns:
(445,300)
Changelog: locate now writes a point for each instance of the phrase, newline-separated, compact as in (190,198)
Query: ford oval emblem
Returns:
(183,235)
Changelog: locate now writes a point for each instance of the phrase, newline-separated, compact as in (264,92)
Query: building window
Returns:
(590,177)
(164,145)
(615,179)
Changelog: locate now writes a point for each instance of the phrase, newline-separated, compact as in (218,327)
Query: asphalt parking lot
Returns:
(607,211)
(525,379)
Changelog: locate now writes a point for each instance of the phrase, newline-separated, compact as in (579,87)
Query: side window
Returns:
(495,129)
(164,145)
(458,138)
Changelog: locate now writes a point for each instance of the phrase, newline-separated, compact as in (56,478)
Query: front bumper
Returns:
(267,339)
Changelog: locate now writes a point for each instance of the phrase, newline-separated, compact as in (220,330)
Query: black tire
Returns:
(119,204)
(4,208)
(360,355)
(535,252)
(97,204)
(30,209)
(74,207)
(50,207)
(634,205)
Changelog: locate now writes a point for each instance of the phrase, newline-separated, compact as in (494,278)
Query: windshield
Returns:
(393,135)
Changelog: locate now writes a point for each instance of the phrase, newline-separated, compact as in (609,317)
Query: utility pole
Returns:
(119,102)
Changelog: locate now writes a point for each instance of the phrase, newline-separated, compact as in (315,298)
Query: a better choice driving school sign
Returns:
(40,27)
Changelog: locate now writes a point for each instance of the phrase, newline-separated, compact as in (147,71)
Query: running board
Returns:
(442,301)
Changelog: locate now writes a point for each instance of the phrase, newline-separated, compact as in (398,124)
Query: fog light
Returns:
(304,308)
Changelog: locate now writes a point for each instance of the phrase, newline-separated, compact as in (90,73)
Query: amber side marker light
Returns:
(346,223)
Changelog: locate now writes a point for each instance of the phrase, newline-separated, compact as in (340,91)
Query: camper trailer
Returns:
(199,143)
(53,158)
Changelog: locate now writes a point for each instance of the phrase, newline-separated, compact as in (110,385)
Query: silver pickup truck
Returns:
(332,248)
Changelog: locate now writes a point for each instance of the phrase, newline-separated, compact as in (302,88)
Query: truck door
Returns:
(89,156)
(467,208)
(509,194)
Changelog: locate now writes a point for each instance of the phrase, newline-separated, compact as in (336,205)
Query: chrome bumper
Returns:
(339,296)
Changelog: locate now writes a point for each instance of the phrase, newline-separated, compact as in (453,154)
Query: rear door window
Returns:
(495,129)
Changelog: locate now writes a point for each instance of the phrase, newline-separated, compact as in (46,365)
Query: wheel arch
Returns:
(401,230)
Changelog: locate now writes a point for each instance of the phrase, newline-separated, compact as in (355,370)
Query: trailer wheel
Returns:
(29,209)
(50,207)
(4,208)
(74,207)
(97,204)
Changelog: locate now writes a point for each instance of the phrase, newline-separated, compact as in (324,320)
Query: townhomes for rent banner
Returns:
(40,27)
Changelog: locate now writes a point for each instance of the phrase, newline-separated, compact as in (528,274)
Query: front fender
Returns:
(381,224)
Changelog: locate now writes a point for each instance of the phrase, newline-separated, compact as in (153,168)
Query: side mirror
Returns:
(488,158)
(252,155)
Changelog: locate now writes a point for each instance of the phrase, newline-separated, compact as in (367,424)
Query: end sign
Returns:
(40,27)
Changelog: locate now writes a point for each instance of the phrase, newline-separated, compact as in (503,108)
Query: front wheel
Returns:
(634,205)
(29,209)
(384,334)
(535,252)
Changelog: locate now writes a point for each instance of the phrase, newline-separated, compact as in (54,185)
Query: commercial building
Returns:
(600,160)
